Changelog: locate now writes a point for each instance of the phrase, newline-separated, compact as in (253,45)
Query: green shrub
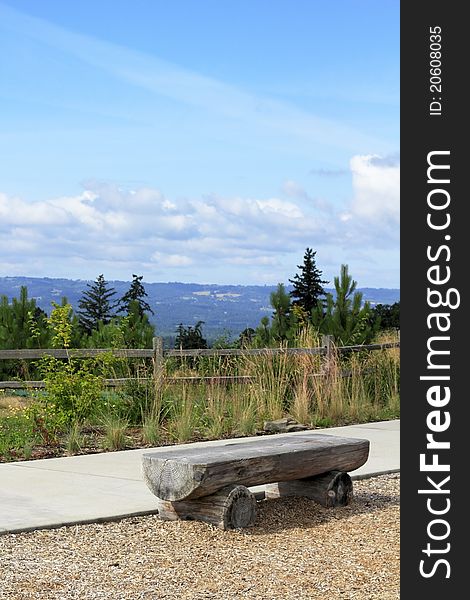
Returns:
(17,436)
(137,399)
(72,390)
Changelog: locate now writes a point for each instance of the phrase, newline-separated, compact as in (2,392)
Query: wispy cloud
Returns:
(214,97)
(124,115)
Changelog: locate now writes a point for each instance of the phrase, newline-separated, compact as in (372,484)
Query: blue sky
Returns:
(207,141)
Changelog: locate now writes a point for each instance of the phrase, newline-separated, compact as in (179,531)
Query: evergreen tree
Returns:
(345,317)
(136,293)
(110,335)
(131,331)
(263,336)
(22,323)
(224,340)
(308,285)
(96,305)
(387,315)
(281,322)
(188,338)
(245,338)
(138,331)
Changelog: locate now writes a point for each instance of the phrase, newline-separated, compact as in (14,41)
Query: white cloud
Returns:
(119,232)
(254,260)
(376,184)
(277,207)
(171,260)
(15,211)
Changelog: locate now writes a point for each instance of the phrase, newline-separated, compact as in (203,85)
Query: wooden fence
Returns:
(157,354)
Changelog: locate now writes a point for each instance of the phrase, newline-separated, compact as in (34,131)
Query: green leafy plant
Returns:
(60,324)
(17,436)
(137,399)
(71,387)
(72,390)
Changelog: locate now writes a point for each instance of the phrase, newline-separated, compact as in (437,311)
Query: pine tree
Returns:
(138,331)
(263,336)
(387,315)
(345,316)
(280,301)
(189,338)
(308,285)
(245,338)
(22,323)
(136,293)
(96,305)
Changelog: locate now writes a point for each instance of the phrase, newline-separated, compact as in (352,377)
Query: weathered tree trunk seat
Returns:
(210,482)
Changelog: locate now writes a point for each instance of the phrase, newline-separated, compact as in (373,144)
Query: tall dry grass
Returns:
(346,388)
(271,378)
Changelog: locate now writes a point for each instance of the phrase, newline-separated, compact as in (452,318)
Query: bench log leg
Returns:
(232,507)
(330,489)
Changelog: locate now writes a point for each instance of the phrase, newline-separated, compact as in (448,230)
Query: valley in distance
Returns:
(225,309)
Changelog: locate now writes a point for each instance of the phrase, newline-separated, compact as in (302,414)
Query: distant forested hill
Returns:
(223,308)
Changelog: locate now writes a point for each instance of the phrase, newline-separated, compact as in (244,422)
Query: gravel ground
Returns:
(297,549)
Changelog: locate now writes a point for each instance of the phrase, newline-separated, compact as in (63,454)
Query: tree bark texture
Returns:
(188,472)
(330,489)
(232,507)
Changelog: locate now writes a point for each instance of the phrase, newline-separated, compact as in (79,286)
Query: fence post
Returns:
(157,345)
(327,341)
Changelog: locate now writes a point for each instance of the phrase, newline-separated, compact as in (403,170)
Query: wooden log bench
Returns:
(210,482)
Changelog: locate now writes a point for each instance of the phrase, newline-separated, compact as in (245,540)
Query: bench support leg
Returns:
(232,507)
(330,489)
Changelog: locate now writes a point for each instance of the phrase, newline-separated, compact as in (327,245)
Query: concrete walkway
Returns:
(102,487)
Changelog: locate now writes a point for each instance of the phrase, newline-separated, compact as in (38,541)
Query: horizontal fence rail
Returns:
(157,353)
(214,379)
(32,354)
(240,352)
(35,353)
(384,346)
